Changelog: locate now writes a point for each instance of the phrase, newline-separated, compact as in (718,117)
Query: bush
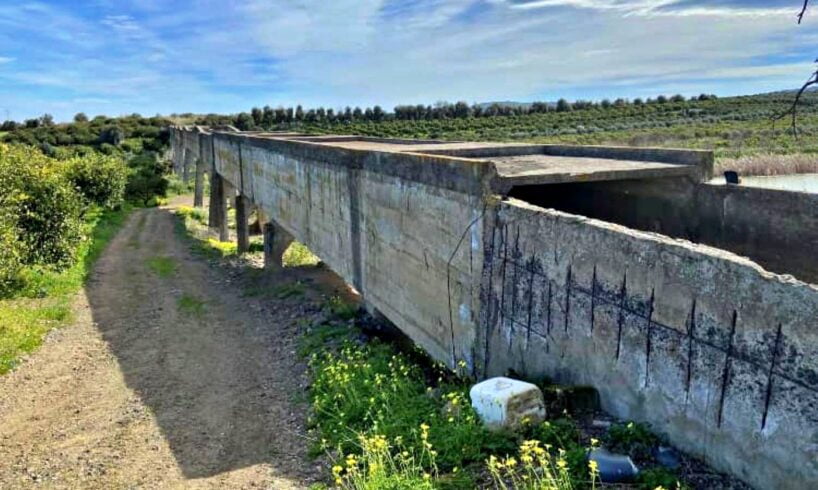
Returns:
(47,208)
(100,179)
(11,251)
(147,180)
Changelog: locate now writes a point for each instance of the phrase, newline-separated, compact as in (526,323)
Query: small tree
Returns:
(563,105)
(112,135)
(80,117)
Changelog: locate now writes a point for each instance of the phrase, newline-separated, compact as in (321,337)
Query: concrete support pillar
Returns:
(242,225)
(217,217)
(198,189)
(276,241)
(189,162)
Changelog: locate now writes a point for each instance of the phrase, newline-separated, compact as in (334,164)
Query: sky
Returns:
(118,57)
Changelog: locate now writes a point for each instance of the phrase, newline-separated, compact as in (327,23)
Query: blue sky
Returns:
(156,56)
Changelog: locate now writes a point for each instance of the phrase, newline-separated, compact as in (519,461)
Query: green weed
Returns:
(631,438)
(297,254)
(340,308)
(177,186)
(321,337)
(191,305)
(653,478)
(290,290)
(196,214)
(163,266)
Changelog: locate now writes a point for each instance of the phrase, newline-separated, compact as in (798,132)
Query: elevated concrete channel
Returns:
(568,262)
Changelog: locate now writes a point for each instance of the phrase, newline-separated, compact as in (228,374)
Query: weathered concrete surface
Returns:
(712,350)
(276,241)
(777,229)
(392,225)
(190,152)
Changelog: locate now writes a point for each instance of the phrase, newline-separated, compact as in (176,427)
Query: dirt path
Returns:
(144,391)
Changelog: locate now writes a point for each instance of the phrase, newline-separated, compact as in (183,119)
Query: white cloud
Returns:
(6,59)
(211,55)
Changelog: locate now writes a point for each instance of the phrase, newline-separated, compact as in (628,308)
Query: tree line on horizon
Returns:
(269,117)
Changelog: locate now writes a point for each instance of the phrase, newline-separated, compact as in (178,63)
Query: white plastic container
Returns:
(505,403)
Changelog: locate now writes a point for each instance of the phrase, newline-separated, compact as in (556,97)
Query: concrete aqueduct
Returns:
(619,268)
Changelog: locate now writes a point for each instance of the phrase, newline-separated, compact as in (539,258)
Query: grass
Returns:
(297,255)
(190,305)
(290,290)
(196,214)
(393,420)
(193,225)
(44,300)
(769,164)
(178,187)
(162,266)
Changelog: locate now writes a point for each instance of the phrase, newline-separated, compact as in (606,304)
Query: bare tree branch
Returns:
(803,11)
(793,109)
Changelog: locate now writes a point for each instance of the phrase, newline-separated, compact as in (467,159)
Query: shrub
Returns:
(100,179)
(146,181)
(11,251)
(47,207)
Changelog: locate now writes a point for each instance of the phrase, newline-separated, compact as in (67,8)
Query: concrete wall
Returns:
(406,233)
(777,229)
(707,347)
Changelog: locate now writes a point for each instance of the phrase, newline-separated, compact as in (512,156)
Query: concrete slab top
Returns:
(401,146)
(519,164)
(552,169)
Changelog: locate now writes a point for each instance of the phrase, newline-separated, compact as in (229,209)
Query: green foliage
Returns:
(631,438)
(162,266)
(289,290)
(177,186)
(561,432)
(11,251)
(101,179)
(340,308)
(731,126)
(112,136)
(361,389)
(196,214)
(38,204)
(190,305)
(297,255)
(653,478)
(385,466)
(44,295)
(147,181)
